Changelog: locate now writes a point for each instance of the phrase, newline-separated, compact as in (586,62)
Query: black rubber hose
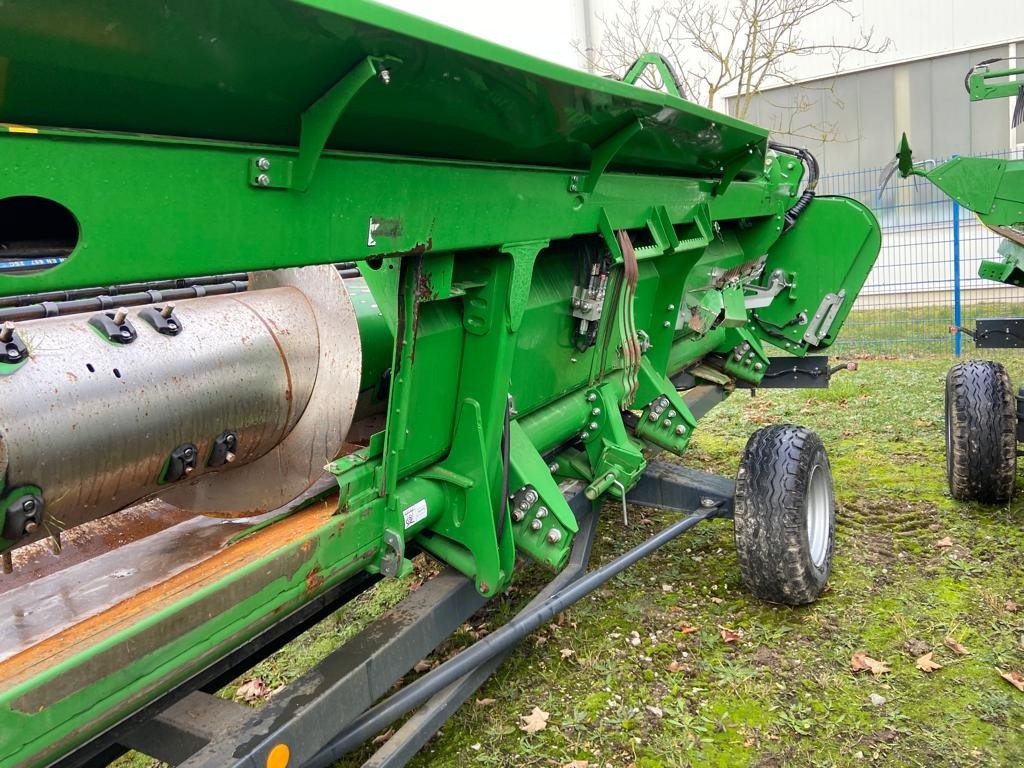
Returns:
(385,713)
(813,174)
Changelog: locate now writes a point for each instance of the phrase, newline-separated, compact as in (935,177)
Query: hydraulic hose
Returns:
(813,174)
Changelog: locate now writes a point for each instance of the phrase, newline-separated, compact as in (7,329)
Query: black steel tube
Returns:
(105,301)
(379,717)
(117,290)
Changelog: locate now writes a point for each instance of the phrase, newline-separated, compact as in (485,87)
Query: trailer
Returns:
(984,416)
(305,288)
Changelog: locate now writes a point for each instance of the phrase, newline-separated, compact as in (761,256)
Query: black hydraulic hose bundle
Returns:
(813,174)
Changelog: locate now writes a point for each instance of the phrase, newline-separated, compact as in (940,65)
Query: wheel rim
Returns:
(818,508)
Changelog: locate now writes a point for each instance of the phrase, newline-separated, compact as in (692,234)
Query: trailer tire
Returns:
(981,432)
(785,515)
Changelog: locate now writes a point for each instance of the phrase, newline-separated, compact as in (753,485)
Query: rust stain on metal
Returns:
(65,644)
(313,580)
(417,250)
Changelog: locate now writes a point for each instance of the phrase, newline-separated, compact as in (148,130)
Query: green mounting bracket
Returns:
(615,459)
(657,61)
(523,257)
(747,360)
(981,89)
(543,525)
(666,421)
(602,156)
(1010,270)
(317,124)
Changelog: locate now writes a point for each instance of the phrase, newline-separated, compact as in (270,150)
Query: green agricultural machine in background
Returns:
(298,289)
(984,418)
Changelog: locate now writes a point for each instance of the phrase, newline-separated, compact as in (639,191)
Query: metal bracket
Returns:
(602,156)
(661,66)
(317,124)
(824,316)
(762,296)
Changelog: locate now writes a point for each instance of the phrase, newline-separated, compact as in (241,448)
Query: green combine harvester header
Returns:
(326,286)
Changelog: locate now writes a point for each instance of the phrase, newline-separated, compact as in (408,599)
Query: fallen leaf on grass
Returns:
(944,542)
(567,652)
(1011,606)
(673,666)
(577,764)
(925,663)
(688,629)
(876,700)
(717,600)
(861,662)
(423,666)
(381,738)
(729,635)
(1016,679)
(955,647)
(656,711)
(252,690)
(485,702)
(535,721)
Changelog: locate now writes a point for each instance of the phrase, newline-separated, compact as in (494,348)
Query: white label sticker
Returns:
(415,513)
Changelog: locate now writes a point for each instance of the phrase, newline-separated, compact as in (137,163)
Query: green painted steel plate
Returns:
(245,70)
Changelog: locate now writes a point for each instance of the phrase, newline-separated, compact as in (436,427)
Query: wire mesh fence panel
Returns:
(926,277)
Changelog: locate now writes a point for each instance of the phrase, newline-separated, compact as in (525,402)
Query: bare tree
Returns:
(722,47)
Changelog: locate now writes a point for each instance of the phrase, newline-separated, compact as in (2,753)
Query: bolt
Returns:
(189,470)
(595,412)
(554,536)
(667,423)
(524,505)
(653,416)
(31,526)
(7,331)
(666,324)
(28,505)
(708,503)
(531,496)
(553,467)
(671,414)
(518,515)
(680,430)
(229,457)
(591,397)
(584,435)
(758,366)
(663,402)
(167,311)
(263,164)
(542,512)
(119,315)
(536,525)
(189,454)
(385,76)
(263,180)
(671,307)
(593,426)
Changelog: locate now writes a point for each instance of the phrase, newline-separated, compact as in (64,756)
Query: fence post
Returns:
(956,277)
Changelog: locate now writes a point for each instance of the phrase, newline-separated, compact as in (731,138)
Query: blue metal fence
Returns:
(926,278)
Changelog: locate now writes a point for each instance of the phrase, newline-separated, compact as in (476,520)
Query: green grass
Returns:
(637,691)
(914,330)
